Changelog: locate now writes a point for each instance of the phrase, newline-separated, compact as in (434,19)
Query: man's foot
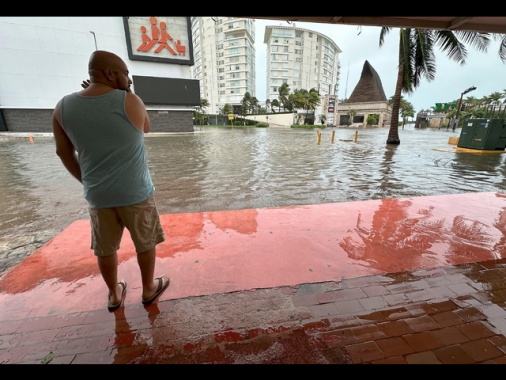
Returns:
(110,300)
(163,283)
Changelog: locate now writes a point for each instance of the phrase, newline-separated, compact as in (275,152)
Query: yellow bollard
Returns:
(356,135)
(333,134)
(319,137)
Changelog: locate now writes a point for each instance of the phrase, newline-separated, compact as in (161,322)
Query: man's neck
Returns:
(96,88)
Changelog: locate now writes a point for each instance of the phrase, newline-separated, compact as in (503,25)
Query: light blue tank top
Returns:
(110,149)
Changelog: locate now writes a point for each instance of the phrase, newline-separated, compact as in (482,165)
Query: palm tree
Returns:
(417,58)
(351,115)
(268,105)
(284,92)
(495,98)
(246,103)
(313,100)
(406,109)
(275,103)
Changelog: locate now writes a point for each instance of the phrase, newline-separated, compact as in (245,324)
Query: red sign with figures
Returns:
(159,39)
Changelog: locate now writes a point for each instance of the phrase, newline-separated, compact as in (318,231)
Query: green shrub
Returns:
(262,124)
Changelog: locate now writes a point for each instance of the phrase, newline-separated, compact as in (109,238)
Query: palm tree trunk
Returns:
(393,132)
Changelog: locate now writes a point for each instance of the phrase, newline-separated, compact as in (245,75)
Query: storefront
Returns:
(45,58)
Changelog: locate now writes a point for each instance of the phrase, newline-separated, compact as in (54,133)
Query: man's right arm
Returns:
(64,147)
(137,113)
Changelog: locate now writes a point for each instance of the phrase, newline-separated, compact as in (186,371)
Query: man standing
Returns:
(99,136)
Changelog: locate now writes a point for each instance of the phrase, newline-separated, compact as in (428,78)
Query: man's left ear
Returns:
(109,74)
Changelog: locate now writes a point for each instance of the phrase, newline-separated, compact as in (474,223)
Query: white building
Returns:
(224,54)
(45,58)
(301,58)
(174,63)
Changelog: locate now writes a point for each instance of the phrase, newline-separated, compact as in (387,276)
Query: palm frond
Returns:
(423,58)
(383,32)
(502,47)
(449,43)
(478,40)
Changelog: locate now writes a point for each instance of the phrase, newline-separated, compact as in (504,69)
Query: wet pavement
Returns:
(414,280)
(222,169)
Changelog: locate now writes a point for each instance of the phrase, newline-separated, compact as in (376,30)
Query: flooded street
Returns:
(226,169)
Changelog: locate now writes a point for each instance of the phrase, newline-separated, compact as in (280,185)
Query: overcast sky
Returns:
(485,71)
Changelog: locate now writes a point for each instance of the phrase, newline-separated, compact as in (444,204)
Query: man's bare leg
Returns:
(108,266)
(146,261)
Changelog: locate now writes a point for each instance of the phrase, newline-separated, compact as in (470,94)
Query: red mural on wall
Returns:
(160,37)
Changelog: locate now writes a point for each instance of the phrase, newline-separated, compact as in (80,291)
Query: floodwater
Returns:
(228,169)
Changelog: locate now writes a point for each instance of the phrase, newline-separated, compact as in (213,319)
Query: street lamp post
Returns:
(95,38)
(456,121)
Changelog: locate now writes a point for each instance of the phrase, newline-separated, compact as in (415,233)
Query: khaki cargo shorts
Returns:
(141,220)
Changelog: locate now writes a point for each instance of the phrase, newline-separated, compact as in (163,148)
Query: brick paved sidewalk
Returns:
(449,315)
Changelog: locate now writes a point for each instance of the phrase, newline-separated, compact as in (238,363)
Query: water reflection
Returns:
(388,181)
(223,169)
(400,234)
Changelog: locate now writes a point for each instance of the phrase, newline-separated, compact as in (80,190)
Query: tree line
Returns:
(472,107)
(286,101)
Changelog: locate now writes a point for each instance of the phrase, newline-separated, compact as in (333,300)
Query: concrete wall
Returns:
(40,120)
(274,120)
(44,58)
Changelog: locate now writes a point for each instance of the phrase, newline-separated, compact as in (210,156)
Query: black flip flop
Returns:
(114,307)
(159,290)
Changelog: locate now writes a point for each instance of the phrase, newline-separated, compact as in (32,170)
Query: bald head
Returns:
(109,69)
(101,59)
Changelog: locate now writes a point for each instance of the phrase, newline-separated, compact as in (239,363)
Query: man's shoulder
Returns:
(71,95)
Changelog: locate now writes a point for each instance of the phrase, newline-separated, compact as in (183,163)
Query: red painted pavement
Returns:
(217,252)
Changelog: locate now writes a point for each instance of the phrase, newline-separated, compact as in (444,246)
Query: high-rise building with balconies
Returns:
(301,58)
(224,55)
